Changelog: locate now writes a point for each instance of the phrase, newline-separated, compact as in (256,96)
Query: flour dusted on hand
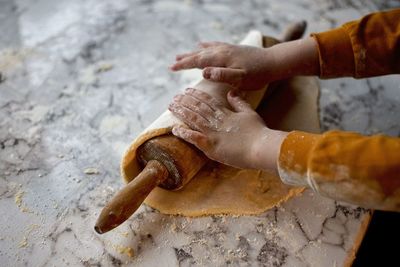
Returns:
(220,189)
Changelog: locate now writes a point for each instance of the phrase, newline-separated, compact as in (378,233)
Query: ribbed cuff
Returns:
(294,157)
(336,57)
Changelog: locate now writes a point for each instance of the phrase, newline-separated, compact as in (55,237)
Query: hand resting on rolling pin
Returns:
(251,68)
(346,166)
(170,163)
(237,137)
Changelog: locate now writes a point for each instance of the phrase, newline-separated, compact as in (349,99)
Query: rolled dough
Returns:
(220,189)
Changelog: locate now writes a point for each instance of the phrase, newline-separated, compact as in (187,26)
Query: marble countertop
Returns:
(80,79)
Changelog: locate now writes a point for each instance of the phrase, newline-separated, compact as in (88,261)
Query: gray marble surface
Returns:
(80,79)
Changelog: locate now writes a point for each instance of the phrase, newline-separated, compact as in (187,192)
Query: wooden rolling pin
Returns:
(168,162)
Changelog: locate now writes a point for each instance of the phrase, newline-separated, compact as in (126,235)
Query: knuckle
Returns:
(203,106)
(195,120)
(197,106)
(192,117)
(202,95)
(173,107)
(229,49)
(222,51)
(204,61)
(217,74)
(196,103)
(196,60)
(189,90)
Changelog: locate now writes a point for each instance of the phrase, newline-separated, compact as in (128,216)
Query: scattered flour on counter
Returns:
(91,171)
(123,250)
(173,227)
(113,124)
(36,114)
(19,201)
(125,234)
(11,58)
(89,75)
(23,243)
(128,251)
(217,25)
(32,228)
(104,66)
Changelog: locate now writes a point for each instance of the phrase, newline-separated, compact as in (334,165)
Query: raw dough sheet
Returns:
(220,189)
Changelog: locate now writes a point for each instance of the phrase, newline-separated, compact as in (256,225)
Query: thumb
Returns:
(237,103)
(233,77)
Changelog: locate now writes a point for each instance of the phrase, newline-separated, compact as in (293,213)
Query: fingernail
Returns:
(207,73)
(177,97)
(178,131)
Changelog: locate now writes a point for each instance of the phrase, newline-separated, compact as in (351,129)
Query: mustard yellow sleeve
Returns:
(363,170)
(363,48)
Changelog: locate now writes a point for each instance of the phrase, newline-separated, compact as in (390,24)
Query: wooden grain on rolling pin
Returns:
(168,161)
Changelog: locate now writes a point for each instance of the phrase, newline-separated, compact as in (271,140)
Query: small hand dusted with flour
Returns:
(238,65)
(364,48)
(250,68)
(233,137)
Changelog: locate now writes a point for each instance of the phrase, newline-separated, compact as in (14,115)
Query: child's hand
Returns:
(238,138)
(242,67)
(251,68)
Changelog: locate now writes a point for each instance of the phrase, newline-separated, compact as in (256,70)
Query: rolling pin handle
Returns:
(129,199)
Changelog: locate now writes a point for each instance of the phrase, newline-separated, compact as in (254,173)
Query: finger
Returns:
(237,103)
(189,117)
(198,60)
(209,44)
(233,77)
(213,103)
(181,56)
(196,105)
(195,138)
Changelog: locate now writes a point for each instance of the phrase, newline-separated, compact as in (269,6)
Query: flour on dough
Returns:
(220,189)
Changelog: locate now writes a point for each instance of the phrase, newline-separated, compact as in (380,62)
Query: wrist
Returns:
(270,65)
(265,149)
(299,57)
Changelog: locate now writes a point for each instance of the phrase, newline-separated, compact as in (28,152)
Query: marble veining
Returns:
(80,79)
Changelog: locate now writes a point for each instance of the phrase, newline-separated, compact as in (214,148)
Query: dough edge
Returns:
(163,125)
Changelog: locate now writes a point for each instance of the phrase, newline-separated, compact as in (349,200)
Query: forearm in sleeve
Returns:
(363,48)
(363,170)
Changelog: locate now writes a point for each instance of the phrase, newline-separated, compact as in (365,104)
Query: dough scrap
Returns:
(219,189)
